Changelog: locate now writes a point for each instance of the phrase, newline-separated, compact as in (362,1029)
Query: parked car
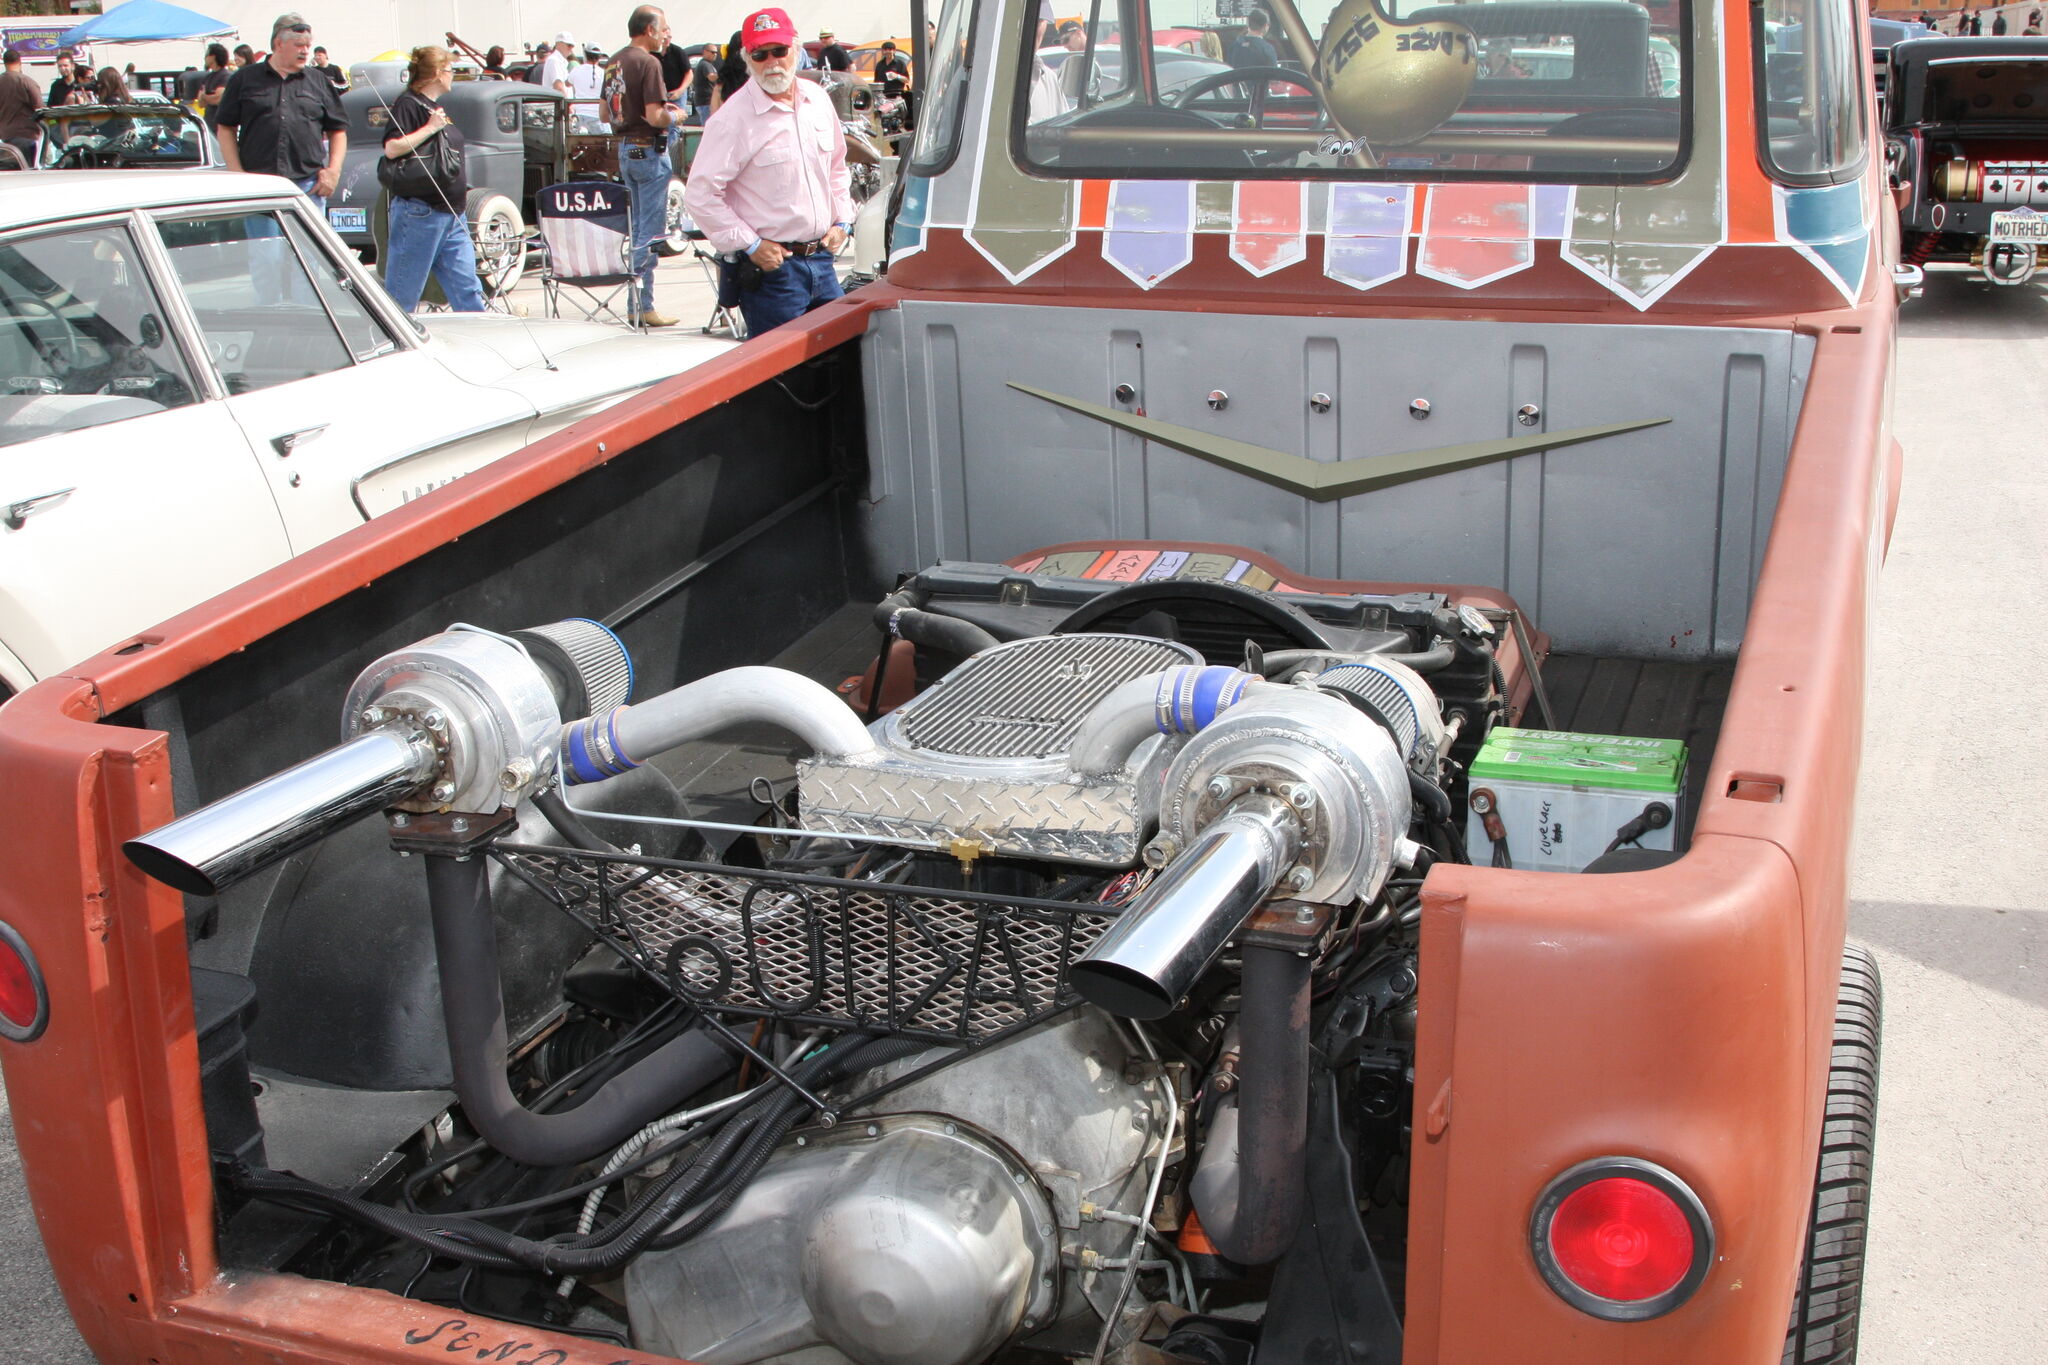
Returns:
(113,137)
(517,138)
(214,385)
(1964,145)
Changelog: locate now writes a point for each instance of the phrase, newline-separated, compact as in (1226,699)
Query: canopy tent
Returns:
(144,21)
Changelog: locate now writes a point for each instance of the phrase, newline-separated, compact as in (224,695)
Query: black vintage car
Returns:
(1966,142)
(519,138)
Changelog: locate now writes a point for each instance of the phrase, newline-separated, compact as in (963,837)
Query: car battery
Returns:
(1549,800)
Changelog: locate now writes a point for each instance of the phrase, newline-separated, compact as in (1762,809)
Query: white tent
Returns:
(360,29)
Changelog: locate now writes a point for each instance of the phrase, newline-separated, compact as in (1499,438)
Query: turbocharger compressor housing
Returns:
(1339,771)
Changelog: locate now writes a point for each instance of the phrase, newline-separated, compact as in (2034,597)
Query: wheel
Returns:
(674,221)
(1827,1306)
(1256,80)
(499,234)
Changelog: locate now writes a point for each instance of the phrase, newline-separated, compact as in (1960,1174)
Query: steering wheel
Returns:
(73,360)
(1215,605)
(1258,78)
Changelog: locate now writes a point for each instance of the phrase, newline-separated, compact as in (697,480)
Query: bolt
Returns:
(1160,852)
(1017,1176)
(1031,1322)
(459,825)
(827,1119)
(1298,877)
(434,720)
(802,1141)
(952,1130)
(1301,797)
(399,819)
(1220,788)
(1305,915)
(1482,802)
(375,715)
(1044,1230)
(443,791)
(517,774)
(874,1130)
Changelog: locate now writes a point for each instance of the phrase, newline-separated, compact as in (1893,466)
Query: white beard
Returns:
(776,82)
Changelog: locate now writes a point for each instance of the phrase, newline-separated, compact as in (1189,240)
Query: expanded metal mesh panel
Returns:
(944,965)
(1026,699)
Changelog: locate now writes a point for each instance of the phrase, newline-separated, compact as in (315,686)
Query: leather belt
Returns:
(811,248)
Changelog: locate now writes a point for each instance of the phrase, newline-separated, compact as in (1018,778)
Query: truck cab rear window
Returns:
(1546,90)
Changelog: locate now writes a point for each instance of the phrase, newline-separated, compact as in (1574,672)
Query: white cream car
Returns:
(198,381)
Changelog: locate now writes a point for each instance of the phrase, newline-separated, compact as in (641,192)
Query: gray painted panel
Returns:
(1646,542)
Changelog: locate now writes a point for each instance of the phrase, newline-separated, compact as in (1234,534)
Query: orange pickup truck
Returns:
(1247,759)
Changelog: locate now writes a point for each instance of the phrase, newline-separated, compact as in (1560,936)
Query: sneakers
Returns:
(650,318)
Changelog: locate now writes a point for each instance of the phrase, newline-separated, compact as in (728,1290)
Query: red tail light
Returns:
(1621,1239)
(24,1001)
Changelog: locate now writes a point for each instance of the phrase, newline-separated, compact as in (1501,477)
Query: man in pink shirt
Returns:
(769,186)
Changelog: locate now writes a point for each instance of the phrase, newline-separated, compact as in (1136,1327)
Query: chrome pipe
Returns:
(214,847)
(1156,951)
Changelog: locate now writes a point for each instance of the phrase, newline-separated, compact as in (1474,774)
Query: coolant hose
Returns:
(1272,1111)
(902,615)
(466,944)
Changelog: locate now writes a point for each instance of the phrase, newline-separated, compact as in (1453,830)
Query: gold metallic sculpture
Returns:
(1389,82)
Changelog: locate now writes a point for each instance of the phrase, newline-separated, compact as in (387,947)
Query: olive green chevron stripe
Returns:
(1322,481)
(1019,221)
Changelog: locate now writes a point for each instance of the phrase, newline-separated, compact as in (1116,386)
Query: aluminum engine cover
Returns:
(982,754)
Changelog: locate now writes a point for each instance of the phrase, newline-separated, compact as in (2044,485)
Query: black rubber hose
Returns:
(466,945)
(1272,1107)
(901,614)
(1435,659)
(1428,793)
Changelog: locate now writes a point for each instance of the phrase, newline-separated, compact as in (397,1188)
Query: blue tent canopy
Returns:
(144,21)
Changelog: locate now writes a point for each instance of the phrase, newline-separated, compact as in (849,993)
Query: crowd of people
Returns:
(1970,23)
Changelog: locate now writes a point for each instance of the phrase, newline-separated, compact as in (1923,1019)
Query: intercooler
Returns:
(982,756)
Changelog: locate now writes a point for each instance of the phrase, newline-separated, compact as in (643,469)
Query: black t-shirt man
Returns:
(215,80)
(703,80)
(833,56)
(60,90)
(675,69)
(281,123)
(411,112)
(1251,49)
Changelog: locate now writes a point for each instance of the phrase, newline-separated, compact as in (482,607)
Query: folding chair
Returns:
(586,236)
(723,321)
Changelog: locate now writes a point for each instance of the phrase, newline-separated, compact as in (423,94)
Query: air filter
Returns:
(1396,696)
(586,664)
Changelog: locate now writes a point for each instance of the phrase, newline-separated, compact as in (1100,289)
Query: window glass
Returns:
(100,139)
(367,336)
(83,336)
(508,116)
(944,100)
(259,311)
(1562,90)
(1812,84)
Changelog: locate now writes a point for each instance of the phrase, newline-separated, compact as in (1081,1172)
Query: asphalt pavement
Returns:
(1951,855)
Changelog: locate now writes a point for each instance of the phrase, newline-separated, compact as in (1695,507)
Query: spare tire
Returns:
(499,234)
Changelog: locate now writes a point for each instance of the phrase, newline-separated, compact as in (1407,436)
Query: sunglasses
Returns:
(764,54)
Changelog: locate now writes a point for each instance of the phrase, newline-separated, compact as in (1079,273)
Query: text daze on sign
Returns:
(454,1337)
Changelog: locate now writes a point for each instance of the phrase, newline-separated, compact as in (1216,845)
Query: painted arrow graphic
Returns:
(1322,481)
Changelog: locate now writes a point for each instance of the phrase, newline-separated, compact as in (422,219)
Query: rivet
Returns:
(1527,414)
(293,478)
(1125,393)
(1218,400)
(1320,402)
(1418,408)
(874,1130)
(600,447)
(952,1130)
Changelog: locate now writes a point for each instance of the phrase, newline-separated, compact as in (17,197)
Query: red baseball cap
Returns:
(766,28)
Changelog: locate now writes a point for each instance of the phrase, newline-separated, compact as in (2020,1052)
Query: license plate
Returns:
(349,220)
(2019,225)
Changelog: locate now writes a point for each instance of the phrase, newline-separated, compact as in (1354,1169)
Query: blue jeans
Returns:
(790,290)
(426,238)
(319,200)
(646,173)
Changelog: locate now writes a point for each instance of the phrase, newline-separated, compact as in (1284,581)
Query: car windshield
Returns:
(1513,89)
(1973,90)
(99,137)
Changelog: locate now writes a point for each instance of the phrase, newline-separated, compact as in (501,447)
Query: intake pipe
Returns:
(466,944)
(1147,961)
(1175,701)
(1250,1189)
(624,737)
(209,850)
